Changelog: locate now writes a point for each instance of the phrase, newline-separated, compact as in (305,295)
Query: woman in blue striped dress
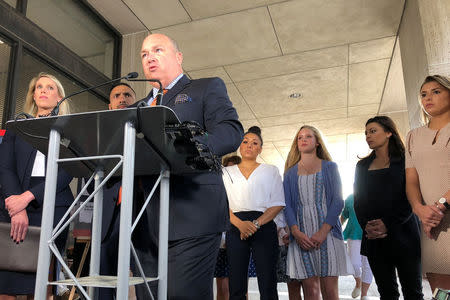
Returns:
(312,187)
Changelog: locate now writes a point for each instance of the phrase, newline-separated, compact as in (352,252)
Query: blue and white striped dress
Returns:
(330,259)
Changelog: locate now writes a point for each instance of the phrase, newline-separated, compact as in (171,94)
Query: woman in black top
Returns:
(22,178)
(391,239)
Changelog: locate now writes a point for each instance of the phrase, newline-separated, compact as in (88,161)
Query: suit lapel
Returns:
(146,99)
(26,150)
(175,90)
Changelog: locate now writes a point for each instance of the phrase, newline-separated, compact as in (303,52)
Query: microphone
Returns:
(55,111)
(159,95)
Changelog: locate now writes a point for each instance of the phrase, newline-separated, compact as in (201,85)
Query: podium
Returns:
(125,143)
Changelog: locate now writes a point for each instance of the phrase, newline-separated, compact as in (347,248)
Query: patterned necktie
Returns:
(154,100)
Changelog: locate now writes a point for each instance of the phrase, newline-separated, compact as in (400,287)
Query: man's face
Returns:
(121,97)
(160,59)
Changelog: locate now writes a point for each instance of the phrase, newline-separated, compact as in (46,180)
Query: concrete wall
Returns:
(435,16)
(414,59)
(131,61)
(424,37)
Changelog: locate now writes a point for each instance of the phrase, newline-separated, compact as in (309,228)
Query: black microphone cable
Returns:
(22,116)
(55,111)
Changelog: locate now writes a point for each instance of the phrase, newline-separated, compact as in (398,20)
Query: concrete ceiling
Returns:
(337,54)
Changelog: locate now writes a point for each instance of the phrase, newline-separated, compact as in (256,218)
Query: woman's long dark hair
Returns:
(396,148)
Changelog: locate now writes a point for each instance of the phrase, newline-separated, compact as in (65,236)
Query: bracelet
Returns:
(256,223)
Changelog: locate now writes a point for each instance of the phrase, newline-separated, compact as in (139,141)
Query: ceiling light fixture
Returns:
(296,95)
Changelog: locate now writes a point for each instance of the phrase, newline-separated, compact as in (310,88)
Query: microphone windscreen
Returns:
(132,75)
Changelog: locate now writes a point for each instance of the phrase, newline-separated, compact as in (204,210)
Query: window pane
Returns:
(77,28)
(5,51)
(32,67)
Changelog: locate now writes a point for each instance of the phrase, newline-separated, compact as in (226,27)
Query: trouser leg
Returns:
(265,249)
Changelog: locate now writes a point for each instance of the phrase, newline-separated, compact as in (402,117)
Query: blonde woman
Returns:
(312,188)
(428,179)
(37,103)
(22,177)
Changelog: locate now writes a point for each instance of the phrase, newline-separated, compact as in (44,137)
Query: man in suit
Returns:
(121,96)
(198,212)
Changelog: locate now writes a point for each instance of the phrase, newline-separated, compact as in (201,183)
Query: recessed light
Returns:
(296,95)
(1,42)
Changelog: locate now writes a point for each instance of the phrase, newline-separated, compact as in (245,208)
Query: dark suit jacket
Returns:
(390,205)
(16,164)
(110,197)
(110,208)
(198,201)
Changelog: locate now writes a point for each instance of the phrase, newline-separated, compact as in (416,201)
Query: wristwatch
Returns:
(256,223)
(442,201)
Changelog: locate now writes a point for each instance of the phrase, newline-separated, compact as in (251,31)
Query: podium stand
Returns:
(93,144)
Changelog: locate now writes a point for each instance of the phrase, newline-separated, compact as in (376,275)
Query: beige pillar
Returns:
(131,61)
(424,37)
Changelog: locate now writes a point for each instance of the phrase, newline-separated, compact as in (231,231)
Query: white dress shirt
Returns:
(263,188)
(39,165)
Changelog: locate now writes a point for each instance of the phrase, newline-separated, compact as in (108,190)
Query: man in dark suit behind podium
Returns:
(198,212)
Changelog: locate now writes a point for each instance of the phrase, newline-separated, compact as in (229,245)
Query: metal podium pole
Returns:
(149,163)
(163,235)
(123,265)
(48,211)
(94,268)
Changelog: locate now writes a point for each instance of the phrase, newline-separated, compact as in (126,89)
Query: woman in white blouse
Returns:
(256,196)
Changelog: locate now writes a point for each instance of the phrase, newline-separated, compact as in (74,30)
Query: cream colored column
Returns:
(131,61)
(424,37)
